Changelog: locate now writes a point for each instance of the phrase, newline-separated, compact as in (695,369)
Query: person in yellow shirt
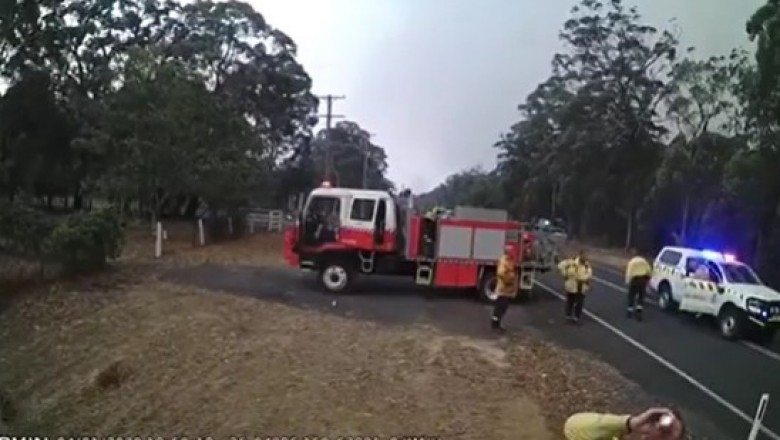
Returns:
(652,424)
(638,273)
(506,287)
(577,274)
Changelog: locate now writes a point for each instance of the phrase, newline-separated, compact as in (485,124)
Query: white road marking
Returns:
(765,351)
(676,370)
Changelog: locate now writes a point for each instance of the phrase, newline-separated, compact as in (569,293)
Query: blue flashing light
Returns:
(712,255)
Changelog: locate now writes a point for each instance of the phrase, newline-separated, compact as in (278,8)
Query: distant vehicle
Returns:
(551,240)
(342,233)
(723,287)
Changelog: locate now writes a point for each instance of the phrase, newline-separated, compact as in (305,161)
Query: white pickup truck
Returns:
(711,283)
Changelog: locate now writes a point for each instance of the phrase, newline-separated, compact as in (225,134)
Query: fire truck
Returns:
(343,233)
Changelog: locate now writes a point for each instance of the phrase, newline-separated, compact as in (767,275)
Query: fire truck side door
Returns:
(362,213)
(380,223)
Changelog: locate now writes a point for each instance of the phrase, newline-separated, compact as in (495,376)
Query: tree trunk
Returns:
(78,200)
(686,212)
(629,230)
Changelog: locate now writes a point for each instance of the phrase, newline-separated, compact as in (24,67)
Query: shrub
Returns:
(23,230)
(86,241)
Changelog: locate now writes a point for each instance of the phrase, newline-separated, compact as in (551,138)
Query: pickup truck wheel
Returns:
(335,277)
(665,299)
(487,288)
(731,322)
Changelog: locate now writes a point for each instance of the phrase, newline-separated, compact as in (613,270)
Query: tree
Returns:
(151,148)
(357,161)
(694,163)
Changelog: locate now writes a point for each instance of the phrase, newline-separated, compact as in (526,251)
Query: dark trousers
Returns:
(637,287)
(574,304)
(499,309)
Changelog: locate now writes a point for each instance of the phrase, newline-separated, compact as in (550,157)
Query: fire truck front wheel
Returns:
(335,277)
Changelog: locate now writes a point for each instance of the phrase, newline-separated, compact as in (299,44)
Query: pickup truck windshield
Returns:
(740,274)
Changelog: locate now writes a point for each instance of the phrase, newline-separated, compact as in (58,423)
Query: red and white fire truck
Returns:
(342,233)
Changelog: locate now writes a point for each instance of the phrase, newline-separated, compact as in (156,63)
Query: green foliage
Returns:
(86,241)
(633,143)
(155,102)
(356,161)
(23,230)
(79,242)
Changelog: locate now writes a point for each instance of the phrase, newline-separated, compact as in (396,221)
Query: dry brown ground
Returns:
(615,258)
(181,247)
(125,354)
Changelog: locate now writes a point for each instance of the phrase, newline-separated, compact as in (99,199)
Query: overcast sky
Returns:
(437,81)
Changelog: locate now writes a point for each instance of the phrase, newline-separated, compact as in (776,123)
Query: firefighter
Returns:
(577,274)
(652,424)
(638,273)
(506,287)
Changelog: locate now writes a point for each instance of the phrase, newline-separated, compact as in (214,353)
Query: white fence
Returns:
(271,220)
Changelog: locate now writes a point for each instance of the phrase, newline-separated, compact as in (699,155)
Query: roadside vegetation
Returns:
(636,140)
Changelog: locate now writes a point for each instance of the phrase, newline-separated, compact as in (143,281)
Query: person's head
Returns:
(633,251)
(582,255)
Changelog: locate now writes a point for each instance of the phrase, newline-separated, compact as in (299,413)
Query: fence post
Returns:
(230,226)
(158,241)
(760,412)
(201,232)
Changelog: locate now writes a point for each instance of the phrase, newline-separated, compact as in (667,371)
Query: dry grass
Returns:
(17,271)
(165,359)
(115,355)
(181,247)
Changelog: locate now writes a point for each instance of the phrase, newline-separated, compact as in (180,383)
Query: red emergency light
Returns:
(325,184)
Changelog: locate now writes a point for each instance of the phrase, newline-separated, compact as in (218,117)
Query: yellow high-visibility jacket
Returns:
(507,277)
(637,267)
(575,272)
(594,426)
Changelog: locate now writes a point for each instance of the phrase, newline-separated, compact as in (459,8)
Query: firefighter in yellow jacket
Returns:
(506,287)
(652,424)
(638,273)
(577,274)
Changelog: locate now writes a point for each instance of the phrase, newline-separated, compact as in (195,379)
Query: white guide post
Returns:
(158,241)
(760,412)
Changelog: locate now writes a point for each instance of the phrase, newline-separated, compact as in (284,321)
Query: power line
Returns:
(329,116)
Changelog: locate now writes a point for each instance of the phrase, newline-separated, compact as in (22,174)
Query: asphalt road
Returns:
(736,373)
(663,354)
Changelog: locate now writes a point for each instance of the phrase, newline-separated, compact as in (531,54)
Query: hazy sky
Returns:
(437,81)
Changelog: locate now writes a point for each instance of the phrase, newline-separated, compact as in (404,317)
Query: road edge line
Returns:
(676,370)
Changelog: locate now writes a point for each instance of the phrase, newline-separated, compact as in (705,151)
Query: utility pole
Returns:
(329,116)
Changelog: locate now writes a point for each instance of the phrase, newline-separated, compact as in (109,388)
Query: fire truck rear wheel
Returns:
(335,277)
(487,288)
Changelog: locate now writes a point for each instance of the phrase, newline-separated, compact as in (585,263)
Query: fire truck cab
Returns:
(342,233)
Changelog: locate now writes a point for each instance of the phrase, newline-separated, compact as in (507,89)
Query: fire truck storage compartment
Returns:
(483,242)
(480,214)
(454,241)
(456,273)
